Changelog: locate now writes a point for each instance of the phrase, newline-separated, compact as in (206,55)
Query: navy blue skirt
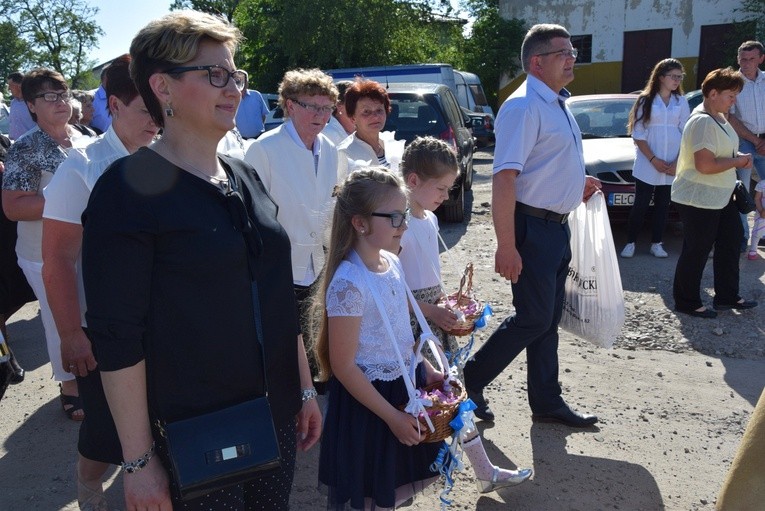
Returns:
(362,463)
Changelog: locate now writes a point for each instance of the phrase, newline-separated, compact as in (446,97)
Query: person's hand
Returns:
(444,318)
(77,354)
(744,161)
(762,213)
(2,167)
(671,168)
(760,146)
(507,262)
(147,489)
(660,165)
(308,425)
(591,185)
(405,428)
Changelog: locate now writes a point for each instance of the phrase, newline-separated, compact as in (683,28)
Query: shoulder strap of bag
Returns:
(415,406)
(721,127)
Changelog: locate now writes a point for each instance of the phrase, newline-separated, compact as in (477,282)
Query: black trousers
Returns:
(538,301)
(661,199)
(702,230)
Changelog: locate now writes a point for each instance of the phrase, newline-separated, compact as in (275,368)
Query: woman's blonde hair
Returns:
(360,195)
(170,41)
(311,82)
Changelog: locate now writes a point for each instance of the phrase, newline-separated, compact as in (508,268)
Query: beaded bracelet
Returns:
(308,394)
(135,466)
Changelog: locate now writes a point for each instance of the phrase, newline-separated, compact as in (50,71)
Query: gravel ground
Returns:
(673,396)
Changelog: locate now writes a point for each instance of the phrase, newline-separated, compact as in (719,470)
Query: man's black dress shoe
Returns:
(743,304)
(567,416)
(482,410)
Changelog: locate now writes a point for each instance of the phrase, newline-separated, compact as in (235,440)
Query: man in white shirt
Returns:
(20,119)
(539,178)
(748,116)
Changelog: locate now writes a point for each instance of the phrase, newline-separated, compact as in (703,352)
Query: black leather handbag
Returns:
(743,199)
(210,452)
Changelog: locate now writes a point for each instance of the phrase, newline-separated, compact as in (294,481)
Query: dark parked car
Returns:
(695,97)
(421,109)
(481,125)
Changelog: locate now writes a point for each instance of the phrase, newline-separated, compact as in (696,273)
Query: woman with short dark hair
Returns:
(368,105)
(702,191)
(29,167)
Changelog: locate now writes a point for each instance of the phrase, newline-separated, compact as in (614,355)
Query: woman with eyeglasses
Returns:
(368,105)
(181,254)
(656,123)
(299,167)
(29,167)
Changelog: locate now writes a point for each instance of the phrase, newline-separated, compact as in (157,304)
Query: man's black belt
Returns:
(544,214)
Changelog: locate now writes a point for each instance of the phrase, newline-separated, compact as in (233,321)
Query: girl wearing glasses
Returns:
(371,451)
(29,167)
(174,236)
(656,123)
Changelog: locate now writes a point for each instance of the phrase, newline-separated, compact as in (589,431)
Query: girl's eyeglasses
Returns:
(396,219)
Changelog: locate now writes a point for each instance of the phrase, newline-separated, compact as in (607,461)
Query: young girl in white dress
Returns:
(430,168)
(371,451)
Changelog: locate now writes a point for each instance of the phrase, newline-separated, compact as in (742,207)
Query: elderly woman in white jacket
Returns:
(298,165)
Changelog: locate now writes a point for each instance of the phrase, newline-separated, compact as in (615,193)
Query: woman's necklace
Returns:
(221,182)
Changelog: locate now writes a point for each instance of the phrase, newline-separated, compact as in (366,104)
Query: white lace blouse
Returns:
(348,295)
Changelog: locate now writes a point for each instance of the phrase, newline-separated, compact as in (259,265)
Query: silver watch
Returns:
(308,394)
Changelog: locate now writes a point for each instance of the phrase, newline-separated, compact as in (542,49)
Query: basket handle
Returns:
(467,274)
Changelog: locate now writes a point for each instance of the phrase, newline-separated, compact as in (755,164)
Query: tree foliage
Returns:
(281,35)
(224,8)
(492,50)
(58,33)
(755,11)
(12,49)
(285,34)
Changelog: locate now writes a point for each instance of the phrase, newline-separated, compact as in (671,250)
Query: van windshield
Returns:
(478,94)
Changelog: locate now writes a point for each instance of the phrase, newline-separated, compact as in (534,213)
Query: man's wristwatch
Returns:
(308,394)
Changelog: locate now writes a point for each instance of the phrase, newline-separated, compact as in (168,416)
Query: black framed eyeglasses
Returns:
(396,219)
(52,97)
(565,52)
(219,76)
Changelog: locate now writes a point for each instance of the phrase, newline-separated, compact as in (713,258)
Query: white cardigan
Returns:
(303,195)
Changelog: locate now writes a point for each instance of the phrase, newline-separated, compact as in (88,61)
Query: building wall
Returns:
(607,20)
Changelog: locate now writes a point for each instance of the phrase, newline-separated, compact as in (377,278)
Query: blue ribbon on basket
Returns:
(481,322)
(449,457)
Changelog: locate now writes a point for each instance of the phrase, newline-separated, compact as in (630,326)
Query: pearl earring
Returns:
(363,232)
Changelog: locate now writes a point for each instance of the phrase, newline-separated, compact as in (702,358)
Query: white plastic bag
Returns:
(593,307)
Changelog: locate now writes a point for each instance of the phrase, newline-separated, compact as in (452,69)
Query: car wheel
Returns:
(468,180)
(453,210)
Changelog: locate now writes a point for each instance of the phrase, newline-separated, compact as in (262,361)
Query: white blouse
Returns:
(349,295)
(663,133)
